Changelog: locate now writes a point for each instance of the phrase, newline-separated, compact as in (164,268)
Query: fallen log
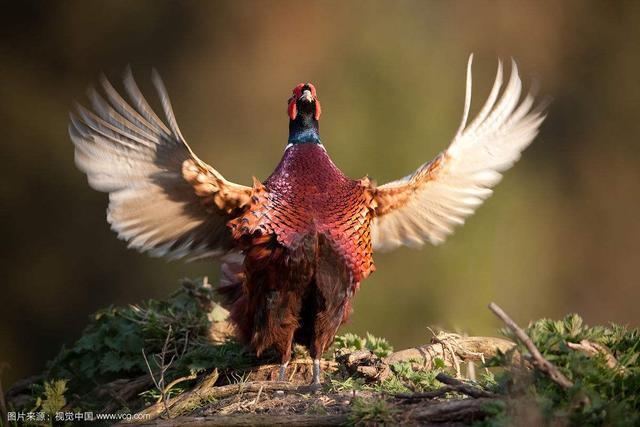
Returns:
(429,414)
(452,349)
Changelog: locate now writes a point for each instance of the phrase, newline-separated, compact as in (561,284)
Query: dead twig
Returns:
(160,360)
(255,402)
(591,348)
(254,387)
(463,387)
(538,360)
(206,392)
(177,381)
(452,386)
(178,403)
(445,341)
(425,394)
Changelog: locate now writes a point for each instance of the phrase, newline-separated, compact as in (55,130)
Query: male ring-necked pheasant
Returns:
(295,247)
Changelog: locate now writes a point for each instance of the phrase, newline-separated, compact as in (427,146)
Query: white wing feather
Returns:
(427,205)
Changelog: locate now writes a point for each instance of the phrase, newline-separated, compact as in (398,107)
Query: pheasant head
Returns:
(304,112)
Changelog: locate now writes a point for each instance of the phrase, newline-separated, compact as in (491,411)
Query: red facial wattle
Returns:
(292,109)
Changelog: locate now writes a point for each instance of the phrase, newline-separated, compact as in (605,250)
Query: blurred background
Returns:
(561,234)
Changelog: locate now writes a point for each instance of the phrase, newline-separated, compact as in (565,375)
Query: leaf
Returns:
(110,363)
(54,399)
(133,343)
(88,366)
(114,343)
(573,325)
(88,342)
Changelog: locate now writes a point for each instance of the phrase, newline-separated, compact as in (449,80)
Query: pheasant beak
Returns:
(306,96)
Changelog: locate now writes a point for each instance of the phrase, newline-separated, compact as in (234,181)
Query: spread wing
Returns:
(439,195)
(162,198)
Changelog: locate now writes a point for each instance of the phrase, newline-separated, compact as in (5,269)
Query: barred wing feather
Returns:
(162,198)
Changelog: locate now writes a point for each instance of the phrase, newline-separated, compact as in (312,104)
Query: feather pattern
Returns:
(162,198)
(428,204)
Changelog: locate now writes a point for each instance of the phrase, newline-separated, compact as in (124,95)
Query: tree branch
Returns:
(452,386)
(538,360)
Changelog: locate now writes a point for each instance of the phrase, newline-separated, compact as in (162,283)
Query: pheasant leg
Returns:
(316,372)
(282,373)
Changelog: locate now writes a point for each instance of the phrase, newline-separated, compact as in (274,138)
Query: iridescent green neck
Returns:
(304,129)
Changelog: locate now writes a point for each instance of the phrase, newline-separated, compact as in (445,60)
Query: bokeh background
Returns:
(560,235)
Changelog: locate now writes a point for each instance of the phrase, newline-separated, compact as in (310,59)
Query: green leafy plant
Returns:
(418,379)
(352,342)
(110,347)
(606,388)
(338,383)
(373,411)
(53,400)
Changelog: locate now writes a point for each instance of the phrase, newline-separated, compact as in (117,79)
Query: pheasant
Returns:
(294,248)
